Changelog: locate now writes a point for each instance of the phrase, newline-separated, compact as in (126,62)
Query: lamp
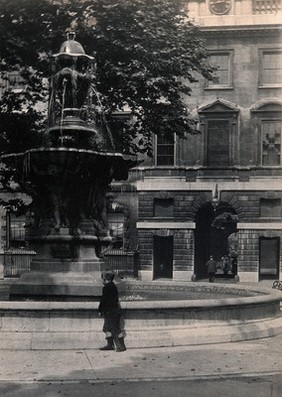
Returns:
(215,198)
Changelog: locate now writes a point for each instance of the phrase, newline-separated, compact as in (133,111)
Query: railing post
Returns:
(1,266)
(136,257)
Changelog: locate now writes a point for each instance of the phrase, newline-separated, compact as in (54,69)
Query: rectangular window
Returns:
(271,142)
(218,143)
(270,208)
(165,150)
(163,208)
(116,227)
(271,68)
(15,231)
(222,77)
(15,82)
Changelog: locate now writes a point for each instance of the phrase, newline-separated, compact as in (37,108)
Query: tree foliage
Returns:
(147,52)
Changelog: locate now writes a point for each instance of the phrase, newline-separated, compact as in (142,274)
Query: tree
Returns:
(147,52)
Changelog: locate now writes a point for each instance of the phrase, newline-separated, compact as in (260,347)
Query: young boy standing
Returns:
(109,308)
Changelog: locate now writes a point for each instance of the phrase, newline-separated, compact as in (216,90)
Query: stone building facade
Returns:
(220,192)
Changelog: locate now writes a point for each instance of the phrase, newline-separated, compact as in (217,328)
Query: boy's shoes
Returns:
(120,346)
(109,345)
(120,349)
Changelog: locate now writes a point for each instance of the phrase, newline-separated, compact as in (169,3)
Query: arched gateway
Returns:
(216,234)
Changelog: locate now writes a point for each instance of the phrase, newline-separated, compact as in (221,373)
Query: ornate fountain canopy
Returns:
(71,48)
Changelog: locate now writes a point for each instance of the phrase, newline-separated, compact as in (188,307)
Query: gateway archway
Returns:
(214,227)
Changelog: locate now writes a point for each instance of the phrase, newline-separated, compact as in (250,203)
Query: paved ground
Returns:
(245,369)
(269,386)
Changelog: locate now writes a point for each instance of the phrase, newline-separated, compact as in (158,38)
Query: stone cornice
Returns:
(239,30)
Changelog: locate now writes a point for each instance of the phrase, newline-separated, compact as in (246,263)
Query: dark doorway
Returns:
(269,257)
(213,227)
(163,256)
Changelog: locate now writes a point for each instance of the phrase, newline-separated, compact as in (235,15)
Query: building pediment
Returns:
(268,105)
(219,106)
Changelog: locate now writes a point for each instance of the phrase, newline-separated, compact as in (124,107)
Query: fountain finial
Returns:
(71,35)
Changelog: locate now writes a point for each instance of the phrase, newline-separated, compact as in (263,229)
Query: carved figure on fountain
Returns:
(76,201)
(72,119)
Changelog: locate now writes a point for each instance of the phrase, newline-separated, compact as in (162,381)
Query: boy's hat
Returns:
(108,275)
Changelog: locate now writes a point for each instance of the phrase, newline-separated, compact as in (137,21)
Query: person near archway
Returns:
(211,268)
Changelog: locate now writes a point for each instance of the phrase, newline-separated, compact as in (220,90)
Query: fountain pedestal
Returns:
(66,267)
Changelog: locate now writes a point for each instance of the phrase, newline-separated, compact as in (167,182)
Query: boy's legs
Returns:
(108,333)
(114,321)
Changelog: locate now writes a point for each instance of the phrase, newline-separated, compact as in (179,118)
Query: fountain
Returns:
(67,180)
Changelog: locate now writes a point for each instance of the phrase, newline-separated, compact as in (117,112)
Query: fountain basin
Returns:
(251,313)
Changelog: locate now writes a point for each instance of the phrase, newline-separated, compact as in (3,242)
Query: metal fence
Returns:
(124,263)
(17,261)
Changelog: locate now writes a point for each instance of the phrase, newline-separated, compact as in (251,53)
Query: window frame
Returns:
(11,231)
(116,223)
(156,145)
(262,52)
(231,139)
(169,200)
(261,121)
(278,199)
(209,85)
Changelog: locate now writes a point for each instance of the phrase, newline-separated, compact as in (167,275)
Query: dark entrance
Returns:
(213,227)
(163,256)
(269,258)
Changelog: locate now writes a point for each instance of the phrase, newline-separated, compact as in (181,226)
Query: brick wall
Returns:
(185,204)
(248,248)
(247,203)
(183,248)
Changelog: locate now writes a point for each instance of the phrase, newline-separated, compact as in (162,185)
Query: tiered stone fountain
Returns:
(68,179)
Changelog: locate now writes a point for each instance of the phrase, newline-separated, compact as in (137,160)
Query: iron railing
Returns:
(124,263)
(17,261)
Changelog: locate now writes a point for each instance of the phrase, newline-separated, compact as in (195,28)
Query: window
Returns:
(15,230)
(270,208)
(266,6)
(15,81)
(163,208)
(222,77)
(116,227)
(165,150)
(270,68)
(218,142)
(271,142)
